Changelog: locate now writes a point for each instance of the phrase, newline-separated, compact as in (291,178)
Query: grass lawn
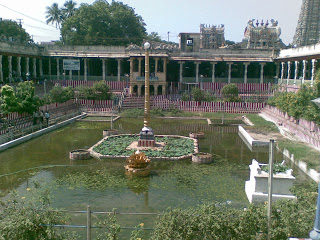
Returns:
(301,151)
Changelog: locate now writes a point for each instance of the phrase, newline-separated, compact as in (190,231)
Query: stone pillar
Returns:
(156,65)
(139,67)
(245,78)
(10,67)
(119,69)
(313,71)
(50,69)
(277,70)
(282,71)
(19,67)
(58,69)
(165,68)
(181,72)
(289,72)
(34,63)
(131,74)
(85,69)
(103,69)
(139,90)
(229,71)
(296,71)
(163,89)
(155,89)
(262,72)
(40,67)
(1,71)
(70,74)
(304,71)
(27,65)
(213,71)
(197,71)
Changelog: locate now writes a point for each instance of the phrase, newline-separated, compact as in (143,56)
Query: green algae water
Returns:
(103,184)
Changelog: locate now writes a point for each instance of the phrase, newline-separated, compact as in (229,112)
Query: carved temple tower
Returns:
(308,29)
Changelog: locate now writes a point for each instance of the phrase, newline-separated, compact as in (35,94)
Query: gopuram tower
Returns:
(308,29)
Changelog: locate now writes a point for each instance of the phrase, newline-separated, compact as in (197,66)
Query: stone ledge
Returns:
(30,136)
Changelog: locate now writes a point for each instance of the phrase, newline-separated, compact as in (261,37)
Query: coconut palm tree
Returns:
(70,8)
(54,15)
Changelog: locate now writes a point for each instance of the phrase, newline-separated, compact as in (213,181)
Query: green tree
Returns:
(299,104)
(13,32)
(230,93)
(70,8)
(229,42)
(9,102)
(20,220)
(54,15)
(104,24)
(101,91)
(21,100)
(197,94)
(299,101)
(26,97)
(59,94)
(154,36)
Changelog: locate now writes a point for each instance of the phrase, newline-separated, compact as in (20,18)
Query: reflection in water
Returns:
(140,185)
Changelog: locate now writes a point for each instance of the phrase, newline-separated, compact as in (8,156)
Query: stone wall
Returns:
(305,130)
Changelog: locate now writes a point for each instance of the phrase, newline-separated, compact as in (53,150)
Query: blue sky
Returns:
(172,16)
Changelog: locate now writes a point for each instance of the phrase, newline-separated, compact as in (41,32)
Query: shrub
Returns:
(21,100)
(20,220)
(230,93)
(99,91)
(197,94)
(60,94)
(157,112)
(185,97)
(299,104)
(218,221)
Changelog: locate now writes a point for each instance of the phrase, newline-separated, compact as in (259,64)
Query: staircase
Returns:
(134,102)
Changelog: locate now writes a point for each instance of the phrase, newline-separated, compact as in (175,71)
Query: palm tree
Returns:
(70,8)
(54,15)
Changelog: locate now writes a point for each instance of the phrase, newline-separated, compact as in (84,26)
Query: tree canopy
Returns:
(57,15)
(54,15)
(99,91)
(299,105)
(103,24)
(12,32)
(22,99)
(154,36)
(230,93)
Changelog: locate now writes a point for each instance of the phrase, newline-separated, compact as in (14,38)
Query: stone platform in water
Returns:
(134,146)
(167,148)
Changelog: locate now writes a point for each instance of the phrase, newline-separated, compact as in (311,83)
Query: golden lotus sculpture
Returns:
(138,160)
(138,165)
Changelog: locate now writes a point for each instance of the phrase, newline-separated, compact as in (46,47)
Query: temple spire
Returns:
(308,28)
